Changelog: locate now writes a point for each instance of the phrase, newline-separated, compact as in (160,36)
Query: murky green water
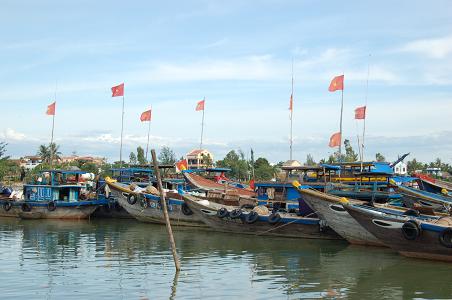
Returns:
(124,259)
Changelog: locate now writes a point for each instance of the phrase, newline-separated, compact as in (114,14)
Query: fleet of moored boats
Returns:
(363,203)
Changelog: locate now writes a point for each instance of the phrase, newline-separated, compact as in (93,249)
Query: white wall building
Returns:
(400,169)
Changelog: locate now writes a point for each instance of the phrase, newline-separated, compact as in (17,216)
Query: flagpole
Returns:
(53,127)
(367,89)
(149,130)
(340,125)
(291,117)
(122,131)
(202,122)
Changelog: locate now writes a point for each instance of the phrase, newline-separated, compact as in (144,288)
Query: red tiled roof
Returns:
(195,152)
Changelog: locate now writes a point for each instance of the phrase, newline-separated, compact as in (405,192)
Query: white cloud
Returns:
(10,134)
(437,48)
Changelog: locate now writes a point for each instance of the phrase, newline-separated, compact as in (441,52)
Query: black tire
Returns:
(51,206)
(7,206)
(144,203)
(222,213)
(252,217)
(411,230)
(25,207)
(412,213)
(247,206)
(445,238)
(236,213)
(274,218)
(131,199)
(186,210)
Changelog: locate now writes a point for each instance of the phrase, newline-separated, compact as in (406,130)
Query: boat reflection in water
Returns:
(128,259)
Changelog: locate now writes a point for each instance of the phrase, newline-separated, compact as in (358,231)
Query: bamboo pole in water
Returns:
(165,211)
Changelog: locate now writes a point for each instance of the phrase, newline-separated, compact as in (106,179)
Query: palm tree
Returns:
(48,153)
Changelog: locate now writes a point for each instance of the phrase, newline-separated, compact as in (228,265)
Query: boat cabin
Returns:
(55,185)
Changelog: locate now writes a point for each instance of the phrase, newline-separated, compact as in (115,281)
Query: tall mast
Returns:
(291,116)
(364,125)
(340,125)
(202,122)
(122,132)
(149,130)
(53,127)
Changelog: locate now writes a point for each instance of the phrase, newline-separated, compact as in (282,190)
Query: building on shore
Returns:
(401,168)
(29,162)
(199,158)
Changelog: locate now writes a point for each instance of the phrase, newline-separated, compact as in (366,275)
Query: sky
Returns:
(238,55)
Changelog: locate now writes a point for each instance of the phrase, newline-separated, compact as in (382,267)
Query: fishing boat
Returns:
(8,197)
(144,204)
(58,194)
(423,200)
(199,183)
(433,185)
(428,238)
(258,221)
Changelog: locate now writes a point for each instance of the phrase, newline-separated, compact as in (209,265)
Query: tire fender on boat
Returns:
(186,210)
(222,212)
(274,218)
(7,205)
(252,217)
(445,238)
(236,213)
(26,207)
(51,206)
(411,230)
(131,199)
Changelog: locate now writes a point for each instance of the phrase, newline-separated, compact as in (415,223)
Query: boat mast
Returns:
(53,127)
(340,125)
(365,105)
(122,131)
(149,130)
(202,122)
(291,116)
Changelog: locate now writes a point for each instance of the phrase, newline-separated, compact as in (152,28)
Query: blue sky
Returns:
(238,55)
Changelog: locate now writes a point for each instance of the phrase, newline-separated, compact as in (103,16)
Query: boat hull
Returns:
(293,228)
(154,213)
(336,217)
(388,229)
(73,212)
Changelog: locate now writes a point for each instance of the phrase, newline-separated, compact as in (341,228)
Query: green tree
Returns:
(309,160)
(263,170)
(237,163)
(350,155)
(379,157)
(140,156)
(413,165)
(48,153)
(167,156)
(132,158)
(5,164)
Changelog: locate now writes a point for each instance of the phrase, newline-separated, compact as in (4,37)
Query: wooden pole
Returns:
(202,122)
(165,211)
(149,131)
(122,132)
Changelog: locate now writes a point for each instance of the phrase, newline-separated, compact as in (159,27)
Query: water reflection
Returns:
(126,259)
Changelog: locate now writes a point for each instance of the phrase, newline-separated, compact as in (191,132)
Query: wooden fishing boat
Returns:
(414,198)
(199,183)
(329,208)
(144,205)
(58,195)
(434,185)
(410,236)
(240,220)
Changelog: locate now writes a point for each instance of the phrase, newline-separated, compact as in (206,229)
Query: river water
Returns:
(125,259)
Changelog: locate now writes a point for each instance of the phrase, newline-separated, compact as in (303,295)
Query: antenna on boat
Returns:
(291,115)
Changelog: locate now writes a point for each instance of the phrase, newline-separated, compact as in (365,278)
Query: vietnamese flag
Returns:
(182,165)
(360,113)
(117,90)
(200,105)
(51,109)
(146,116)
(337,83)
(335,140)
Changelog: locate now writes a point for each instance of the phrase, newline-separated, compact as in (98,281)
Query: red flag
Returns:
(146,116)
(335,140)
(337,83)
(291,103)
(182,165)
(200,105)
(51,109)
(252,184)
(360,113)
(117,90)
